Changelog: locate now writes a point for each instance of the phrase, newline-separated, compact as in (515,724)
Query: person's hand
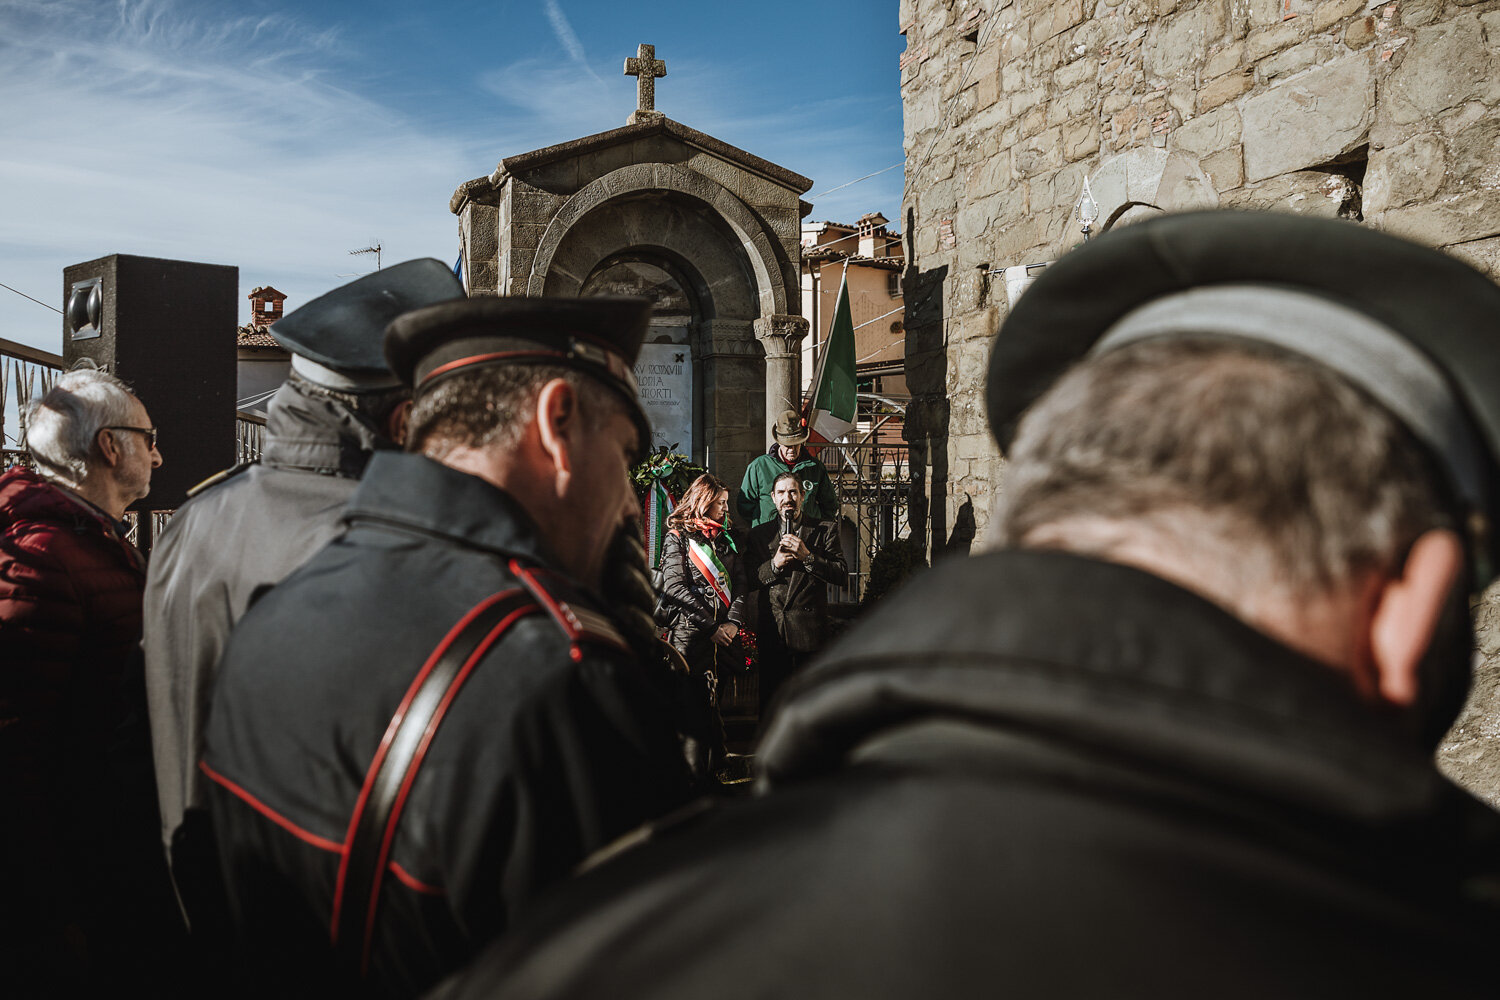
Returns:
(796,547)
(725,633)
(781,558)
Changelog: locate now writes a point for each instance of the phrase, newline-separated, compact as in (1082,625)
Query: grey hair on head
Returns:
(62,425)
(1265,469)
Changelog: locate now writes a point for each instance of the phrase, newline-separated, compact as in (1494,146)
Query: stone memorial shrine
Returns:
(708,231)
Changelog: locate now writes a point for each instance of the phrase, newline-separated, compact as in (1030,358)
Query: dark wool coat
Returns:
(222,546)
(698,611)
(795,597)
(1033,775)
(557,741)
(75,788)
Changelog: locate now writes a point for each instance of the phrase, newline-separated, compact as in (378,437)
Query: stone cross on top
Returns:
(645,67)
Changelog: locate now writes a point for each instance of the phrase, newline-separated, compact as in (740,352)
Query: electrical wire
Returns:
(25,296)
(947,110)
(240,404)
(882,170)
(892,237)
(962,80)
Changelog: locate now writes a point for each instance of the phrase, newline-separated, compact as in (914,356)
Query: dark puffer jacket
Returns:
(698,611)
(74,755)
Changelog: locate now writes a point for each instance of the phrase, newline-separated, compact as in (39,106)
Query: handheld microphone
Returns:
(786,523)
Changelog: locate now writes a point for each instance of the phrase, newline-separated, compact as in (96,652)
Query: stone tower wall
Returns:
(1384,112)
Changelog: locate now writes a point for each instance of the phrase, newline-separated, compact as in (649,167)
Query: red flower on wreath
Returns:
(749,647)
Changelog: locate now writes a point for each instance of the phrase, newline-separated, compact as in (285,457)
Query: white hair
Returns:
(1266,470)
(63,425)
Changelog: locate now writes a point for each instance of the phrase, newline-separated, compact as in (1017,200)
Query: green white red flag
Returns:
(833,402)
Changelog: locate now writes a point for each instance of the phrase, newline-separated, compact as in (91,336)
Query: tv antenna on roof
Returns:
(373,248)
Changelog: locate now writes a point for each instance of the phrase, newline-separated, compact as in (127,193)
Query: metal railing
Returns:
(872,471)
(25,373)
(249,437)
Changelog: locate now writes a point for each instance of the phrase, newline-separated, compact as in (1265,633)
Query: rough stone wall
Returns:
(1385,112)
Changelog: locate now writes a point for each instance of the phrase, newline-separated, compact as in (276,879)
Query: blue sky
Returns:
(278,137)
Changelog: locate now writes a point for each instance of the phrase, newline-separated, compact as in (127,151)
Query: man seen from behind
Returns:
(246,529)
(436,717)
(1172,738)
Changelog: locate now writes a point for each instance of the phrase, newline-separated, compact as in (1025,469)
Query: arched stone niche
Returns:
(658,215)
(660,201)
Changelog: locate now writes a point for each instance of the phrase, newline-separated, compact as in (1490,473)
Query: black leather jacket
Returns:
(698,611)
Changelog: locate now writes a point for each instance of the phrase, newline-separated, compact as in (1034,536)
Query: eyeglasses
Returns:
(148,432)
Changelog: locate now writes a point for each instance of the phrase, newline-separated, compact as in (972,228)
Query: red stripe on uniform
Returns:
(415,884)
(271,814)
(479,359)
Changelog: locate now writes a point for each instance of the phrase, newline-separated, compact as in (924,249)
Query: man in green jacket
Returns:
(787,454)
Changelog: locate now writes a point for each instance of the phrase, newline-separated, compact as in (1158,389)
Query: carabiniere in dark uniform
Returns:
(429,722)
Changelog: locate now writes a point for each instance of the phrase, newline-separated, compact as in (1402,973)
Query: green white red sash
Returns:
(707,560)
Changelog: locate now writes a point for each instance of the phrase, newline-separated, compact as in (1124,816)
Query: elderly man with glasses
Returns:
(86,893)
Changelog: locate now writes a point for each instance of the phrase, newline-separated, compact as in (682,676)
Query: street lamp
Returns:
(1088,210)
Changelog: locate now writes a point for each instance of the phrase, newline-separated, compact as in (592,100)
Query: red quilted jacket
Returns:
(70,625)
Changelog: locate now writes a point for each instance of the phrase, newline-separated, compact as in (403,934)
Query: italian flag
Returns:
(659,504)
(707,560)
(833,389)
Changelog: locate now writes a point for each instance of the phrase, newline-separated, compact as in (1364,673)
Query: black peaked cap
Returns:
(1445,309)
(601,336)
(342,329)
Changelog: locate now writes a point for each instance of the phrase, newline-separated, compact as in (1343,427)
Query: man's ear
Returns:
(556,420)
(1407,612)
(109,448)
(396,423)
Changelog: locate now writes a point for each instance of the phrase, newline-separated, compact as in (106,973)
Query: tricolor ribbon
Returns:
(707,560)
(659,504)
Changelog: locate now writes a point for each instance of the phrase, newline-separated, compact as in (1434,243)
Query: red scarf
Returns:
(709,529)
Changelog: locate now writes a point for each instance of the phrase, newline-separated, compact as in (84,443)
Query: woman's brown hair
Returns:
(696,501)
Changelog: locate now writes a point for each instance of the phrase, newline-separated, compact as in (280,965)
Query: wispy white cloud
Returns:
(563,29)
(146,128)
(158,127)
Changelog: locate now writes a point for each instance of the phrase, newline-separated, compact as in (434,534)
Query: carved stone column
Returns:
(781,336)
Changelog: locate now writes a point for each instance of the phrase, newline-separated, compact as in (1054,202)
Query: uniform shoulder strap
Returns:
(388,781)
(570,607)
(219,477)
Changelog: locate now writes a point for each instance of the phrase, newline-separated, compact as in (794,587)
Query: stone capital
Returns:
(781,335)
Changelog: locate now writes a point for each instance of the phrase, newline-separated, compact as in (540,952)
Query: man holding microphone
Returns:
(795,559)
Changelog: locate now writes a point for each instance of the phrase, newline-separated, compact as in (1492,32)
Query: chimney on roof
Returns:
(872,235)
(265,305)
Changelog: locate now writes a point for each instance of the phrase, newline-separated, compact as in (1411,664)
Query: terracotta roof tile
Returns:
(255,336)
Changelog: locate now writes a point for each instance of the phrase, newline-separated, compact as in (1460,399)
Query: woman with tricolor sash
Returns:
(704,586)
